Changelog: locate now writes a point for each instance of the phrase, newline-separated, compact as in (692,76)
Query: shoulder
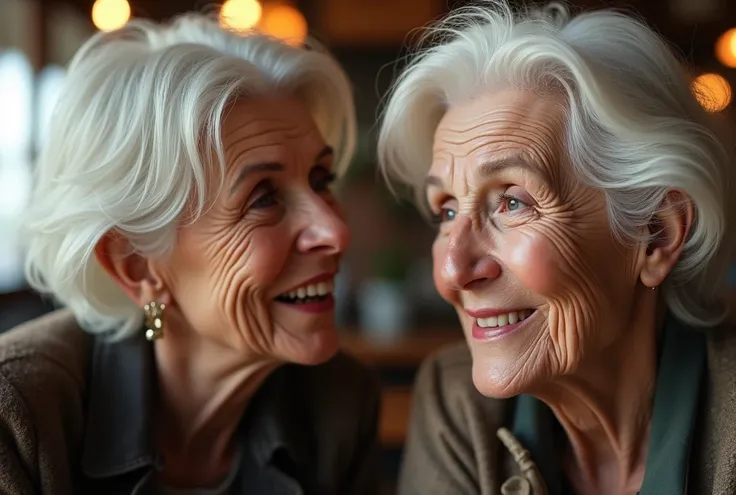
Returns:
(452,445)
(717,435)
(721,358)
(45,347)
(715,441)
(42,381)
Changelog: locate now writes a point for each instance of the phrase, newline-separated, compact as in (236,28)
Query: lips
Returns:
(315,289)
(492,324)
(308,292)
(504,319)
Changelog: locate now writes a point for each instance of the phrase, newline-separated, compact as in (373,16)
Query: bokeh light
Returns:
(284,22)
(712,91)
(240,15)
(726,48)
(108,15)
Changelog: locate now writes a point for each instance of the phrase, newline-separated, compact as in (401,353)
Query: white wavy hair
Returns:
(139,115)
(633,128)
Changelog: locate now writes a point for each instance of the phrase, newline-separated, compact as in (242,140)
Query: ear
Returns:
(670,228)
(133,273)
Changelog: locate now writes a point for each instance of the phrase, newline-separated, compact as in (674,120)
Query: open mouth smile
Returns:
(313,297)
(492,325)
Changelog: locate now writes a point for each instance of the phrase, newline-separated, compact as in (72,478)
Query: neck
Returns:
(605,409)
(204,389)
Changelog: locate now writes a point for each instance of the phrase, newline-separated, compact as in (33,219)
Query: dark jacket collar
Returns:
(120,405)
(272,422)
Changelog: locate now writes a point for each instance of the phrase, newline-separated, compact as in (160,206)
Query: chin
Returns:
(497,380)
(315,349)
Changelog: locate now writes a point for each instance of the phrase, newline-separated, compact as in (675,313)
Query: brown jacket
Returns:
(454,448)
(75,411)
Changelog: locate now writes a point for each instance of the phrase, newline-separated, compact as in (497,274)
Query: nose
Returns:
(466,262)
(324,230)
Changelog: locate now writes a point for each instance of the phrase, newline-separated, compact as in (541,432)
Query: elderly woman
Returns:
(584,203)
(183,214)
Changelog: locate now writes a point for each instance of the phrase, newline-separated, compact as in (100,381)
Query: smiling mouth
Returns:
(310,293)
(504,319)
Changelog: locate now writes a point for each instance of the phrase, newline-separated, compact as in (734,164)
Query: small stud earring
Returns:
(154,320)
(653,288)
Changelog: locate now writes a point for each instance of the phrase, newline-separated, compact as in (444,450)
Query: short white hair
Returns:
(633,128)
(129,143)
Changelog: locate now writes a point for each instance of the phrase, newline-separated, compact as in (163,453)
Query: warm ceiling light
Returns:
(108,15)
(284,22)
(712,91)
(726,48)
(240,15)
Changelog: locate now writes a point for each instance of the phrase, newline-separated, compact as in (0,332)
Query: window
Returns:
(50,81)
(16,102)
(18,121)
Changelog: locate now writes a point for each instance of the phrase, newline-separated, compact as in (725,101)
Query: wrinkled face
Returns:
(524,251)
(255,273)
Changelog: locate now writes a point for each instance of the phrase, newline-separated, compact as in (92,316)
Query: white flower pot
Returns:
(384,309)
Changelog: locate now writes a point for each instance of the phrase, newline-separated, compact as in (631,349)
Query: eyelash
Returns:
(436,218)
(504,198)
(258,203)
(326,181)
(323,186)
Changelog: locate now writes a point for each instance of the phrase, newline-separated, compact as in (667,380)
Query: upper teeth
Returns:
(504,319)
(319,289)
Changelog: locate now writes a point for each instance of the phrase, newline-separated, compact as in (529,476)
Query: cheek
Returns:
(250,261)
(533,260)
(230,262)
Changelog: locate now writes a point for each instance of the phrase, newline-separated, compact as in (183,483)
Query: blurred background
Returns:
(390,312)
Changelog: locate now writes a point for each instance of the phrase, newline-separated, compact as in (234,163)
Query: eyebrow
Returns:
(257,168)
(492,167)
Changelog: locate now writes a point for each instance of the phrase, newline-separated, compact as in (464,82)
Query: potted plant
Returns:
(384,306)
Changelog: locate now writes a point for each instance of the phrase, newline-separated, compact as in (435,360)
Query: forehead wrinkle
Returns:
(235,154)
(510,116)
(537,152)
(530,128)
(513,153)
(548,132)
(272,125)
(285,131)
(506,115)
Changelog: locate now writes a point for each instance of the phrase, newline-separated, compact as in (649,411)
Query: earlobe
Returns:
(669,230)
(129,270)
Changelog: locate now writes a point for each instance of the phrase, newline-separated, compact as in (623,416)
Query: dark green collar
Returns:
(679,377)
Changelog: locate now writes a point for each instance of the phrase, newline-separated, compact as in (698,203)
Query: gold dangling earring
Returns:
(154,320)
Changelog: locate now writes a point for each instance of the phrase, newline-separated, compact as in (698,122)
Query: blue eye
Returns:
(510,203)
(445,215)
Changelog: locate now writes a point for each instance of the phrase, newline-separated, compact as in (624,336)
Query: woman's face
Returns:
(256,272)
(524,251)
